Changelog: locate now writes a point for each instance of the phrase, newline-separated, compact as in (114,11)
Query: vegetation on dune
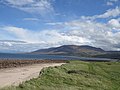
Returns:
(76,75)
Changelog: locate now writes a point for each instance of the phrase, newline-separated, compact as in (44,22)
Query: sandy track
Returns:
(14,76)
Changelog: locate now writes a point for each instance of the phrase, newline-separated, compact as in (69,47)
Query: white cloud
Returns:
(19,46)
(54,23)
(98,34)
(19,2)
(78,32)
(21,34)
(114,23)
(50,37)
(111,13)
(91,32)
(111,2)
(31,19)
(41,7)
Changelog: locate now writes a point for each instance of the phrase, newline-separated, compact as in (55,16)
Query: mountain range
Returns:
(11,46)
(82,51)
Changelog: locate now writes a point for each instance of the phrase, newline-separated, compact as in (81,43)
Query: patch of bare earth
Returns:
(17,75)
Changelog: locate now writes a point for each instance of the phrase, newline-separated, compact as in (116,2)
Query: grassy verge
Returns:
(76,75)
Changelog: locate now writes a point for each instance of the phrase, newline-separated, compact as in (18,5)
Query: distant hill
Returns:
(83,50)
(110,54)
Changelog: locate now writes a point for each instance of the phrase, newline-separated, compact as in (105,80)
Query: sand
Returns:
(15,76)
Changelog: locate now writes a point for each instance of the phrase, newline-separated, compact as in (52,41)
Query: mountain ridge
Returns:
(83,50)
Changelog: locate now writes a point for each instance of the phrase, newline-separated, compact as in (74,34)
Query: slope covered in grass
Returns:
(76,75)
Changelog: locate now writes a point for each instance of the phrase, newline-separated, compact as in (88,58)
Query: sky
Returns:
(50,23)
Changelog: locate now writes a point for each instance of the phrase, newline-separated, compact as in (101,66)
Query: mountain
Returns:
(12,46)
(83,50)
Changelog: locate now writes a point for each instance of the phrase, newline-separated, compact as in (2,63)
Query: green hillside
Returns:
(76,75)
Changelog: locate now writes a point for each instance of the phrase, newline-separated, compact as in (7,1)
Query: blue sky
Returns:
(59,22)
(64,10)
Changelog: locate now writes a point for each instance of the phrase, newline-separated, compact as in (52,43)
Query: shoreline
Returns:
(20,63)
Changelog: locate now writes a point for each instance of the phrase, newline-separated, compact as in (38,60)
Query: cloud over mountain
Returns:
(67,26)
(78,32)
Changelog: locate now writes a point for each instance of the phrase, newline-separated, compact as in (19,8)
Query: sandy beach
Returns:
(17,75)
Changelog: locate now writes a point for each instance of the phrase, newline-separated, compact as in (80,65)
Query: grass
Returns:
(76,75)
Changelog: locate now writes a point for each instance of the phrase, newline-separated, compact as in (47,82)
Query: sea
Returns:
(9,56)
